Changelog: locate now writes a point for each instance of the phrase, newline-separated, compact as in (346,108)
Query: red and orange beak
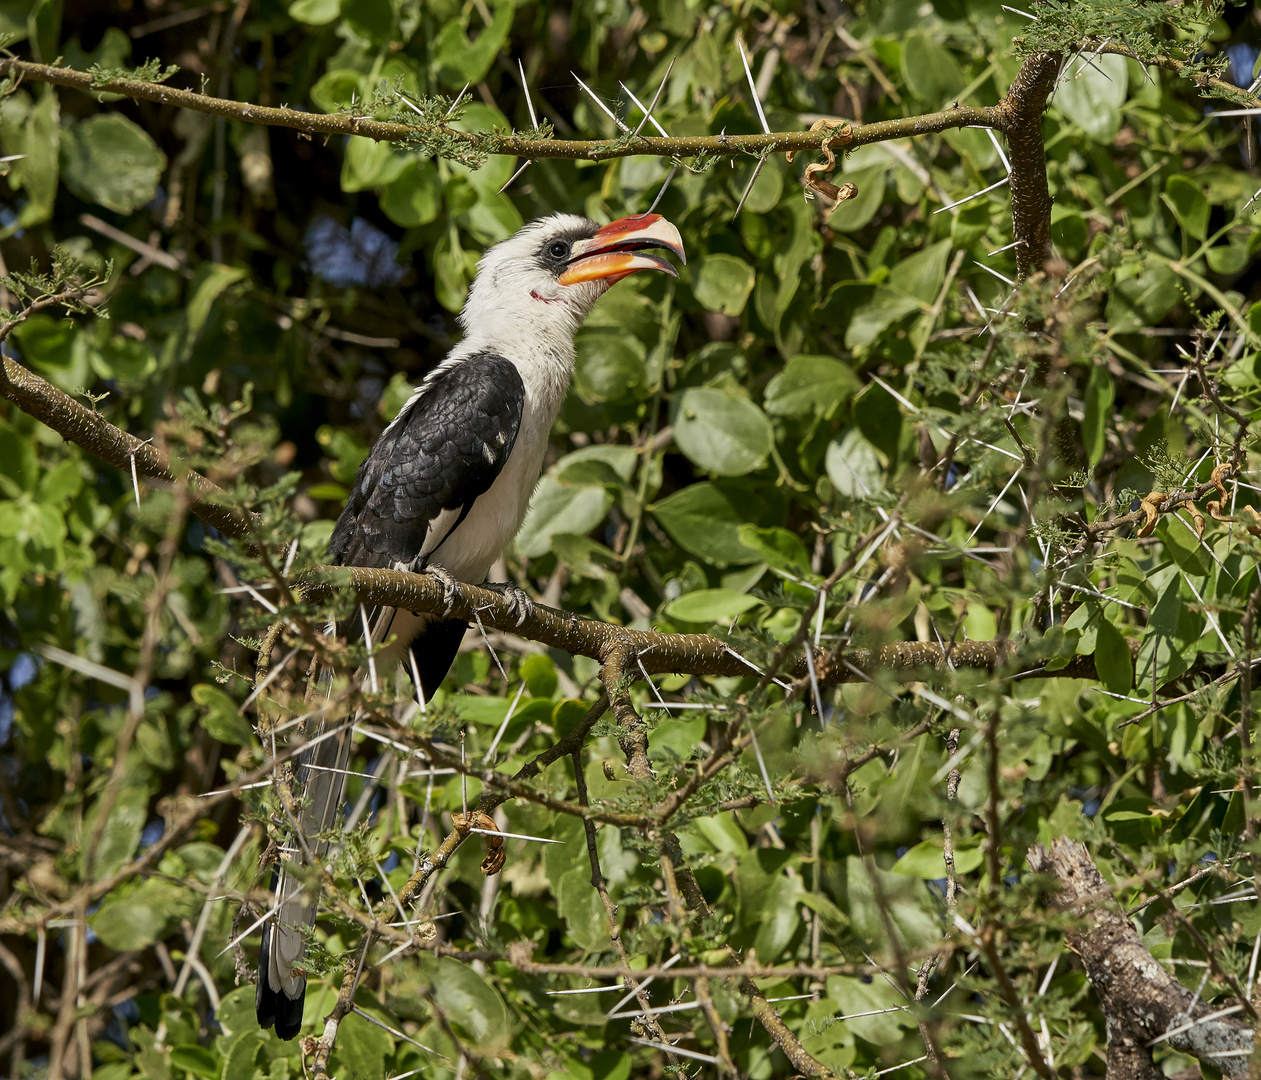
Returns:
(617,250)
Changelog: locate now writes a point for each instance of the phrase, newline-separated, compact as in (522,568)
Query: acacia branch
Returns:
(496,142)
(1021,120)
(1143,1003)
(90,430)
(1178,67)
(657,652)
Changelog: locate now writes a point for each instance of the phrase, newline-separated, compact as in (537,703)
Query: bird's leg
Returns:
(449,585)
(517,599)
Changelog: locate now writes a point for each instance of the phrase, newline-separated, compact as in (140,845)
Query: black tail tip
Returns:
(277,1009)
(273,1006)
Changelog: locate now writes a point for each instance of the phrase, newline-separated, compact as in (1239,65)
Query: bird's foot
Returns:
(517,599)
(449,585)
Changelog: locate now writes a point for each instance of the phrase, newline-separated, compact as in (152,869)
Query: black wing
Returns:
(442,454)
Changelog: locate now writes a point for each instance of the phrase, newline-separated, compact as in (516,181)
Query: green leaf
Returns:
(336,89)
(1130,821)
(702,520)
(600,464)
(560,508)
(780,919)
(767,189)
(927,860)
(1227,259)
(609,364)
(314,12)
(207,285)
(583,556)
(722,283)
(125,359)
(722,832)
(580,906)
(980,623)
(37,136)
(930,71)
(122,830)
(139,917)
(1112,659)
(415,198)
(778,547)
(222,720)
(869,1008)
(18,461)
(921,275)
(853,465)
(240,1059)
(47,342)
(720,432)
(372,19)
(871,317)
(1091,96)
(809,384)
(371,164)
(471,1004)
(856,213)
(711,605)
(1069,231)
(1189,205)
(973,146)
(458,61)
(362,1046)
(109,160)
(198,1060)
(1144,293)
(61,483)
(1098,419)
(574,496)
(539,674)
(1182,545)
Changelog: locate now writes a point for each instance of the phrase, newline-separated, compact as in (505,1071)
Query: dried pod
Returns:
(838,194)
(1222,472)
(1197,520)
(496,856)
(1217,508)
(1256,517)
(1151,511)
(843,134)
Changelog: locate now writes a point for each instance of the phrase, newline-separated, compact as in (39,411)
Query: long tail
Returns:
(321,777)
(281,990)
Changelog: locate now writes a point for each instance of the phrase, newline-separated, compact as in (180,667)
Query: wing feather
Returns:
(442,454)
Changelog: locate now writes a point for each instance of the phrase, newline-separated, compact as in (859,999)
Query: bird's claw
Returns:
(449,586)
(517,599)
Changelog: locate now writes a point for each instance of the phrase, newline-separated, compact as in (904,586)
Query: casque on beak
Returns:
(617,250)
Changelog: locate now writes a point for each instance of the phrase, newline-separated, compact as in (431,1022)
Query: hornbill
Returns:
(445,489)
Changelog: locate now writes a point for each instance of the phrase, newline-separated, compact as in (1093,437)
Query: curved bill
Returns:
(618,250)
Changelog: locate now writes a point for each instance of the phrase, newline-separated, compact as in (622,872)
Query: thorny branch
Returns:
(497,143)
(1144,1004)
(697,654)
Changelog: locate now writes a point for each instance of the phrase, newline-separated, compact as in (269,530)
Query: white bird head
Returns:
(543,281)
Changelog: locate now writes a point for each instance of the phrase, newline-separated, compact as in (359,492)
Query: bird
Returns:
(444,490)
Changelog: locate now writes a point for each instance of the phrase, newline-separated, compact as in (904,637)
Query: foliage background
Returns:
(727,439)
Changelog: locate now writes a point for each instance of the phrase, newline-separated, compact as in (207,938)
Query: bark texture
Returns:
(1021,120)
(1142,1002)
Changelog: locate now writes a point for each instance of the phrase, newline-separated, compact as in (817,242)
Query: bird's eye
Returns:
(558,249)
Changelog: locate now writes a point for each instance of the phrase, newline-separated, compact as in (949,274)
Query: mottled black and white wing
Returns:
(431,464)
